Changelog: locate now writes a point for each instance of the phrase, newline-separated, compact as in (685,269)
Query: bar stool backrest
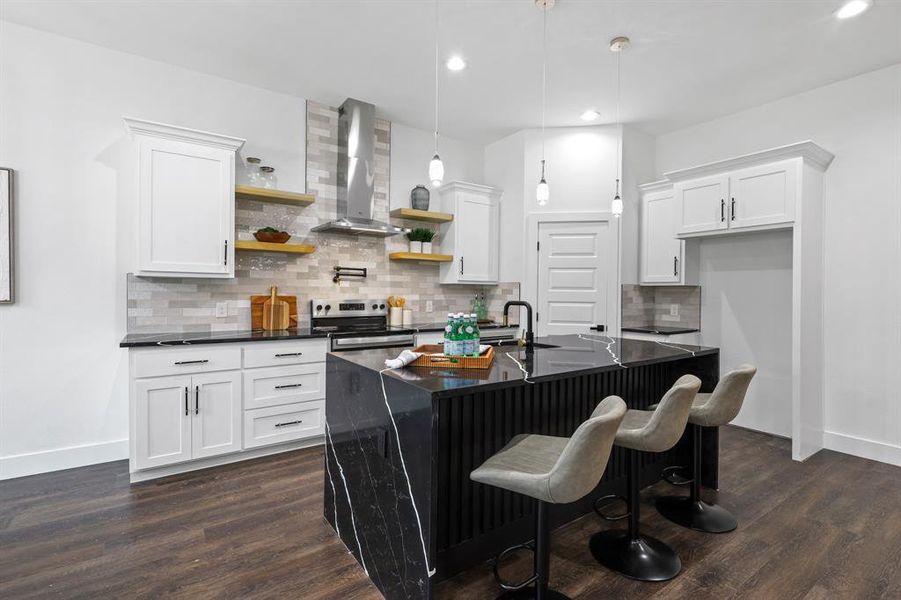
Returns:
(724,403)
(582,462)
(668,422)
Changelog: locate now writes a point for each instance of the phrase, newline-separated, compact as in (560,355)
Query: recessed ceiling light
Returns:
(852,8)
(455,63)
(590,115)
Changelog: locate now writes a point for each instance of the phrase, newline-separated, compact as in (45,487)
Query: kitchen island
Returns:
(400,445)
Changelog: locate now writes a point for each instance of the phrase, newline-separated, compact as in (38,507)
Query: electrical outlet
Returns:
(674,310)
(222,309)
(429,306)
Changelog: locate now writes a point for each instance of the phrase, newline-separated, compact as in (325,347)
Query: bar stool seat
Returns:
(708,410)
(552,470)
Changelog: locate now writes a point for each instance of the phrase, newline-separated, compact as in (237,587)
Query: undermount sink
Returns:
(536,345)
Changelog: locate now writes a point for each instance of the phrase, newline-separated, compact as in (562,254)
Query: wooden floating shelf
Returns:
(267,247)
(421,257)
(246,192)
(422,215)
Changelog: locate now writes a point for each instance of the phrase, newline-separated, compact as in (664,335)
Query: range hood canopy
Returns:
(356,174)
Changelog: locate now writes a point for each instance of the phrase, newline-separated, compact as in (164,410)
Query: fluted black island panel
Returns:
(400,445)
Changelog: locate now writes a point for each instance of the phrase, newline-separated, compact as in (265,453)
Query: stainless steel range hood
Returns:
(356,174)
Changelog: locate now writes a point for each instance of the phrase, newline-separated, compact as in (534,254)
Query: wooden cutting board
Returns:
(256,310)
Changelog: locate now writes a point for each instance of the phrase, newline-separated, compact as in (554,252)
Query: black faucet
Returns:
(530,337)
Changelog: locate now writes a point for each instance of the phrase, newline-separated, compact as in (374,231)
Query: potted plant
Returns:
(427,236)
(415,241)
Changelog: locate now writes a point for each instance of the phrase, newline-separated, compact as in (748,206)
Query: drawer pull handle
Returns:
(191,362)
(288,354)
(298,422)
(288,385)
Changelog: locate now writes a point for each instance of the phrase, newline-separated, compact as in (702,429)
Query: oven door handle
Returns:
(372,341)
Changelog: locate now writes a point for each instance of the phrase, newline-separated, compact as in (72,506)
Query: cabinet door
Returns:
(476,224)
(186,209)
(661,252)
(162,426)
(763,195)
(701,204)
(216,413)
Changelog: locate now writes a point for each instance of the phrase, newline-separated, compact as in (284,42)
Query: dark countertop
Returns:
(138,340)
(574,354)
(659,329)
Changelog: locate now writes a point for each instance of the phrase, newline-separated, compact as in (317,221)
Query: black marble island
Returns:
(400,445)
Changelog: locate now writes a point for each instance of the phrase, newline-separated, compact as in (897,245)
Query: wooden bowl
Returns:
(272,238)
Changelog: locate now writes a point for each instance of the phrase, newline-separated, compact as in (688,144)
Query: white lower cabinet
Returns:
(216,411)
(187,417)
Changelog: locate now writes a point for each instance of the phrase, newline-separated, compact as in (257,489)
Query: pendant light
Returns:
(542,191)
(436,167)
(618,44)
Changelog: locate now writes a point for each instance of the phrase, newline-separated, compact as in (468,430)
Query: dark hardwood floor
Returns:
(827,528)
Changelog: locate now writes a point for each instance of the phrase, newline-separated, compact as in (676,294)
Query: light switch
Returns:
(429,306)
(674,310)
(222,309)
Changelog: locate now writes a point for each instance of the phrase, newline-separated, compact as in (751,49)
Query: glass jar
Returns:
(252,171)
(268,179)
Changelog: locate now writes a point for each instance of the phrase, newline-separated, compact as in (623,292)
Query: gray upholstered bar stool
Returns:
(707,410)
(552,470)
(628,552)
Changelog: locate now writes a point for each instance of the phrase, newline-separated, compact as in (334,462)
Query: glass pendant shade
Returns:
(616,207)
(436,171)
(542,192)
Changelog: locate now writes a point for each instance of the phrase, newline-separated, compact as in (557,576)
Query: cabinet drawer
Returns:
(273,386)
(176,361)
(277,424)
(273,354)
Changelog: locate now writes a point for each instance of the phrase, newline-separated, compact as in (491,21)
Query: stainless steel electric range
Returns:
(357,324)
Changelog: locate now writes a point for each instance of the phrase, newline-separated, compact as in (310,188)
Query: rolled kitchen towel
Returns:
(402,360)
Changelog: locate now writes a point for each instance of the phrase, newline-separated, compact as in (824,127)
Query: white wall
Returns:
(859,120)
(63,397)
(411,151)
(505,169)
(746,309)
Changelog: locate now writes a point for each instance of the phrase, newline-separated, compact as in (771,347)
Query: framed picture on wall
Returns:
(6,235)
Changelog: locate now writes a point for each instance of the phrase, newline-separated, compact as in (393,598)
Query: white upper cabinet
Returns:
(186,199)
(763,195)
(661,253)
(472,237)
(700,204)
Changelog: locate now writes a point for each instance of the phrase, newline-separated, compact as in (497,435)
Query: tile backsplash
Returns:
(189,304)
(645,305)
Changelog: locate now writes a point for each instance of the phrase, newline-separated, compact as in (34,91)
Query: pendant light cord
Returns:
(619,125)
(543,82)
(436,77)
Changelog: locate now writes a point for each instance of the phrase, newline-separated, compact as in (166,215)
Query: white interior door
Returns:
(217,413)
(573,276)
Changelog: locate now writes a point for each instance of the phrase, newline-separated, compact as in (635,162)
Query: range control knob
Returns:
(375,306)
(318,307)
(382,306)
(328,307)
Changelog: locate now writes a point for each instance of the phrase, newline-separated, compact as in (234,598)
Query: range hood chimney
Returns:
(356,174)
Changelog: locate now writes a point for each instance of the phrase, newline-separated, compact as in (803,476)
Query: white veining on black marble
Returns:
(612,342)
(328,472)
(403,464)
(674,346)
(521,368)
(350,507)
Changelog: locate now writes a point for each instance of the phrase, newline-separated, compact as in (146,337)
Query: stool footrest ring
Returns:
(602,500)
(512,587)
(672,476)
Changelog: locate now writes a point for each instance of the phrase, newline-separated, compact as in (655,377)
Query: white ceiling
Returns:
(690,61)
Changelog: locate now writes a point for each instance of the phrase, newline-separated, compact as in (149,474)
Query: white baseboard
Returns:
(33,463)
(864,448)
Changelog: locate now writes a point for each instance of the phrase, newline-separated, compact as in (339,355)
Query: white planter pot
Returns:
(416,247)
(427,247)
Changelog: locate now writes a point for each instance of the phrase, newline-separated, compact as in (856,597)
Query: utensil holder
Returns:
(408,317)
(396,316)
